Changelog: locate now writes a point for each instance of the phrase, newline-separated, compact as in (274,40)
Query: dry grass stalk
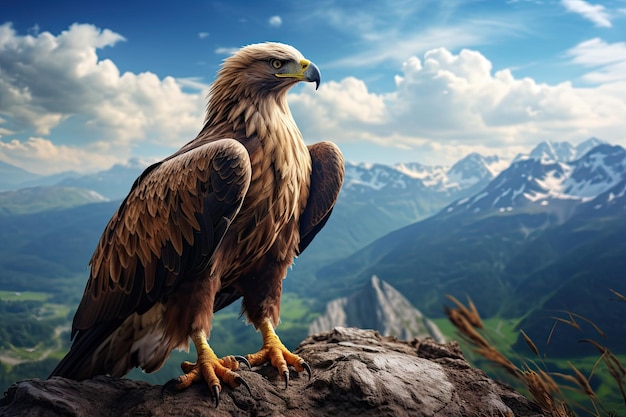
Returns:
(613,364)
(619,296)
(589,321)
(471,313)
(570,322)
(460,320)
(530,343)
(495,356)
(583,382)
(543,389)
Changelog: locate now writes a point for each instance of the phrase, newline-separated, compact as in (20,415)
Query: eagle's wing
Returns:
(165,230)
(326,180)
(168,227)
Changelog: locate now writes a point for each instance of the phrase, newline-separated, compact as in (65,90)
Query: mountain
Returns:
(38,199)
(560,151)
(543,236)
(380,307)
(114,183)
(556,187)
(11,176)
(473,172)
(49,251)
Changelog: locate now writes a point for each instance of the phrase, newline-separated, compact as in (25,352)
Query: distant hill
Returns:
(11,176)
(49,251)
(38,199)
(113,183)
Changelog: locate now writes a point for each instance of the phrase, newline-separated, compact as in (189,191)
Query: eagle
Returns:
(219,220)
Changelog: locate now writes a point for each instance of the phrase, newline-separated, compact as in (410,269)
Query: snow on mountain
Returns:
(431,176)
(472,170)
(560,151)
(544,182)
(583,147)
(553,151)
(361,177)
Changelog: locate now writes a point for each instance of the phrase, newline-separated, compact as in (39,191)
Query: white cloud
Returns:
(226,50)
(275,21)
(48,81)
(608,60)
(446,103)
(203,35)
(595,13)
(41,156)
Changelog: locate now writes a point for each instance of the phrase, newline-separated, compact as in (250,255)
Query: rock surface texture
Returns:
(355,372)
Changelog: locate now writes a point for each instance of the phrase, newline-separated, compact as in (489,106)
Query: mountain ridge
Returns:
(378,306)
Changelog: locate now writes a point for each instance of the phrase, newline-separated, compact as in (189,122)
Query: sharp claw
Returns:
(286,376)
(307,368)
(243,360)
(171,384)
(243,382)
(216,395)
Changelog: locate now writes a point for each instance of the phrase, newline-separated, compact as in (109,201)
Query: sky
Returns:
(84,86)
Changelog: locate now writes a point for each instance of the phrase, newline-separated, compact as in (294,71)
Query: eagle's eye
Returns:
(276,63)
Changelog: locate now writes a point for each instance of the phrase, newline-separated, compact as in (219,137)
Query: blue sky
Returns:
(85,86)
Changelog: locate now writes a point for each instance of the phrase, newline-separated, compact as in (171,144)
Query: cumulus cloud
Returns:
(446,103)
(607,60)
(47,81)
(42,156)
(595,13)
(275,21)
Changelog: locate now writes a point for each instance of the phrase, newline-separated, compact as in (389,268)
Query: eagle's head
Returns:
(267,67)
(250,90)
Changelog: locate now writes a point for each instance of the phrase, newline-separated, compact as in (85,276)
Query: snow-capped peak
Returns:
(544,182)
(560,151)
(473,169)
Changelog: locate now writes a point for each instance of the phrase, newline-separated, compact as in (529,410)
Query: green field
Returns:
(23,296)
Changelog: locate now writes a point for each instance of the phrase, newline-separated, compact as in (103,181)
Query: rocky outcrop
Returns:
(355,372)
(380,307)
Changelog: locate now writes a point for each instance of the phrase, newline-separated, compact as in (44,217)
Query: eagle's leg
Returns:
(276,353)
(210,368)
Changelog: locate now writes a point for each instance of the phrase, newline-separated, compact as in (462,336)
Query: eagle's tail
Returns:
(115,347)
(81,361)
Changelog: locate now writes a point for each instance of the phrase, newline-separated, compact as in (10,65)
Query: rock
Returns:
(355,372)
(377,306)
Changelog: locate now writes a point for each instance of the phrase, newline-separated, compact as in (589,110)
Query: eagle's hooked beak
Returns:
(311,72)
(304,70)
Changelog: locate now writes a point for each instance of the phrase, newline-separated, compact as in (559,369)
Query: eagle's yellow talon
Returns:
(209,368)
(274,352)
